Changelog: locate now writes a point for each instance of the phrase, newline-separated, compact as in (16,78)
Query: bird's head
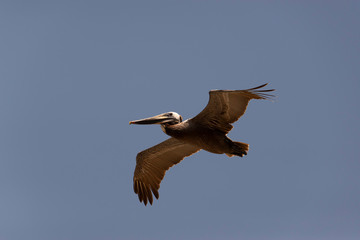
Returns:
(169,118)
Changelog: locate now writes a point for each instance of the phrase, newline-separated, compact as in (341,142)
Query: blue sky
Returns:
(74,73)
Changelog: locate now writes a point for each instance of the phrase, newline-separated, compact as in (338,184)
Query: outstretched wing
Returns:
(227,106)
(152,163)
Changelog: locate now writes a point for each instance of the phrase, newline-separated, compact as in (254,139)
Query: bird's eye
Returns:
(170,114)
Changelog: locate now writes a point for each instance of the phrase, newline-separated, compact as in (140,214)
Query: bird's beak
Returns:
(162,118)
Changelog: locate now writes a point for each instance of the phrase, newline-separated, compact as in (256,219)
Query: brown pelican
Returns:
(205,131)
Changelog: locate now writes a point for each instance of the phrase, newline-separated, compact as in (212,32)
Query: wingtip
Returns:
(261,86)
(255,88)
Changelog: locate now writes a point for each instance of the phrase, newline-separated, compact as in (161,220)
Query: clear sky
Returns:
(74,73)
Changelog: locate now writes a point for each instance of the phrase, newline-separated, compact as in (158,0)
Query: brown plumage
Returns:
(205,131)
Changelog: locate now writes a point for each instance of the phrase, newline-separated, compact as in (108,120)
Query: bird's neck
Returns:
(172,130)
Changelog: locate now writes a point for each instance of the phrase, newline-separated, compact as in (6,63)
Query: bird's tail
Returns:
(239,149)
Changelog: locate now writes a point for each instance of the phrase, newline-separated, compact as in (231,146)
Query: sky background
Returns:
(74,73)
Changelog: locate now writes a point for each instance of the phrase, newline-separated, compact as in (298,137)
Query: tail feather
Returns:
(239,149)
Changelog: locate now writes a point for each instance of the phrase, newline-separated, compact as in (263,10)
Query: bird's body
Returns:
(205,131)
(194,133)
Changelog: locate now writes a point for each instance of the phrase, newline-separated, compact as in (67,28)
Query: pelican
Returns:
(206,131)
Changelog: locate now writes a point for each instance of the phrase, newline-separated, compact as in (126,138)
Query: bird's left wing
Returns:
(227,106)
(152,163)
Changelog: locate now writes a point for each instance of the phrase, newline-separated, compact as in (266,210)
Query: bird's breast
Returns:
(205,138)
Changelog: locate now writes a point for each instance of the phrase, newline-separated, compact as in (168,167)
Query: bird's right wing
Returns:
(227,106)
(152,163)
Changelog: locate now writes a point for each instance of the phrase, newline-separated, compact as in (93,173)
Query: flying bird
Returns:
(206,131)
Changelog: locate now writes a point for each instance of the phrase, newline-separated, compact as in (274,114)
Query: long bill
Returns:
(158,119)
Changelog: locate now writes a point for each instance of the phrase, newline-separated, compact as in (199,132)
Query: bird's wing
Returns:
(152,163)
(227,106)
